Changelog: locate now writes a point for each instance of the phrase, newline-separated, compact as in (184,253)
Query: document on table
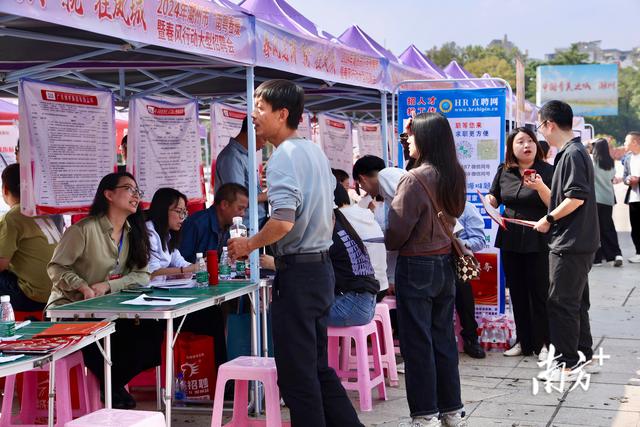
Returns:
(5,359)
(156,301)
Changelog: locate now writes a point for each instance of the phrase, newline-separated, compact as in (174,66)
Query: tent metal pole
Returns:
(121,80)
(16,75)
(47,76)
(348,107)
(253,229)
(385,131)
(161,81)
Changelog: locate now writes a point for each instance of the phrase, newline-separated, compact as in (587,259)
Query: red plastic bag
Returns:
(194,357)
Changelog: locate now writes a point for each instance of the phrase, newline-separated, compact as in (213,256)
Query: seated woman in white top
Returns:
(166,214)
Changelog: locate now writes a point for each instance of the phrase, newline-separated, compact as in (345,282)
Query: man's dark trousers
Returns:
(568,306)
(302,296)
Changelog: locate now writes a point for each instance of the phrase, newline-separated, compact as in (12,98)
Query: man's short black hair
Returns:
(339,174)
(229,192)
(11,179)
(634,134)
(366,165)
(243,128)
(283,94)
(558,112)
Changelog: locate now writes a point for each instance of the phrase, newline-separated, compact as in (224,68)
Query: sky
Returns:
(538,26)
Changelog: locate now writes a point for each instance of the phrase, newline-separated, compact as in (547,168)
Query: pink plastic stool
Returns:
(390,300)
(364,379)
(244,369)
(387,351)
(119,418)
(64,411)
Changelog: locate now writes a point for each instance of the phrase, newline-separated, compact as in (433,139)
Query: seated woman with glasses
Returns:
(166,214)
(104,253)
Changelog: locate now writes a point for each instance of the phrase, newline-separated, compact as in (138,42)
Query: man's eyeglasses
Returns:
(132,191)
(541,125)
(182,213)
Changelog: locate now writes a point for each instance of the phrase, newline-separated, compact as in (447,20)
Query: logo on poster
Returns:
(162,111)
(68,97)
(445,105)
(335,124)
(234,114)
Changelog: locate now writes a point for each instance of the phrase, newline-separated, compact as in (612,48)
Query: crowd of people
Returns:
(335,258)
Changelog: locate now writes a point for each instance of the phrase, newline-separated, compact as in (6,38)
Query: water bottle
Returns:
(7,318)
(180,388)
(224,269)
(202,275)
(238,229)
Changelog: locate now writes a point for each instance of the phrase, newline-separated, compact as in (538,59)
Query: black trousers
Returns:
(466,309)
(19,301)
(135,347)
(634,219)
(568,306)
(527,277)
(609,247)
(302,296)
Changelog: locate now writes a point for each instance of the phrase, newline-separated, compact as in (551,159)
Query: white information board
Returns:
(336,141)
(226,121)
(67,145)
(369,138)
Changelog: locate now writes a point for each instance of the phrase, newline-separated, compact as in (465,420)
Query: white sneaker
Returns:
(634,259)
(544,353)
(400,368)
(516,350)
(425,422)
(556,373)
(618,261)
(453,420)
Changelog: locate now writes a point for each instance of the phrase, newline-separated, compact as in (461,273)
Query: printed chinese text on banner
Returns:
(591,90)
(164,147)
(477,118)
(67,145)
(195,26)
(369,136)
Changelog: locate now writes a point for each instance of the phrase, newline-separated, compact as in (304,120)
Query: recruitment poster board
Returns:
(164,147)
(67,145)
(590,89)
(304,128)
(369,138)
(226,121)
(477,118)
(336,141)
(8,141)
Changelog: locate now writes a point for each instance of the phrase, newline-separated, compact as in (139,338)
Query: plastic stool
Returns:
(364,381)
(390,300)
(119,418)
(63,409)
(242,370)
(387,351)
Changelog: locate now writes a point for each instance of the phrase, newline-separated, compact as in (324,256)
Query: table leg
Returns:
(52,391)
(168,372)
(107,372)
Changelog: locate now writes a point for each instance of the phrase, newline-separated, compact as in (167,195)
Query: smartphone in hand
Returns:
(529,175)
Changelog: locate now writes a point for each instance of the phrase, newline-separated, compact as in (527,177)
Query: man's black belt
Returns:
(303,258)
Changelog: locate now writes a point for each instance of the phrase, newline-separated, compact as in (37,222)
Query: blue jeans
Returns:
(425,293)
(352,309)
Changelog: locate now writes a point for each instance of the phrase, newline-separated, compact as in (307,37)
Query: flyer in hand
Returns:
(499,219)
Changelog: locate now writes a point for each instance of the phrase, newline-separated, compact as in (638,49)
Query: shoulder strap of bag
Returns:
(440,215)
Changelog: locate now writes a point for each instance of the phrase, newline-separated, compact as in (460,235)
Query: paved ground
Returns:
(497,391)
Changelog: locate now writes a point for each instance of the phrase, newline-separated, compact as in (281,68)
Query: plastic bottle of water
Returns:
(238,229)
(202,275)
(180,388)
(224,269)
(7,318)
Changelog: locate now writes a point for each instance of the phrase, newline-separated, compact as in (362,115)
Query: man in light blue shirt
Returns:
(232,166)
(472,236)
(301,187)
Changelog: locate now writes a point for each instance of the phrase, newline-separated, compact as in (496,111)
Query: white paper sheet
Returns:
(141,301)
(5,359)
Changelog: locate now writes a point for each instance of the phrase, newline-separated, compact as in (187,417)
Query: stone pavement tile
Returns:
(605,396)
(485,371)
(595,417)
(519,391)
(532,414)
(616,322)
(491,422)
(479,381)
(493,359)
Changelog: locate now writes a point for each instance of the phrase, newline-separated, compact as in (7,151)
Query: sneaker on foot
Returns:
(597,263)
(400,368)
(453,420)
(544,353)
(634,259)
(425,422)
(516,350)
(618,261)
(555,373)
